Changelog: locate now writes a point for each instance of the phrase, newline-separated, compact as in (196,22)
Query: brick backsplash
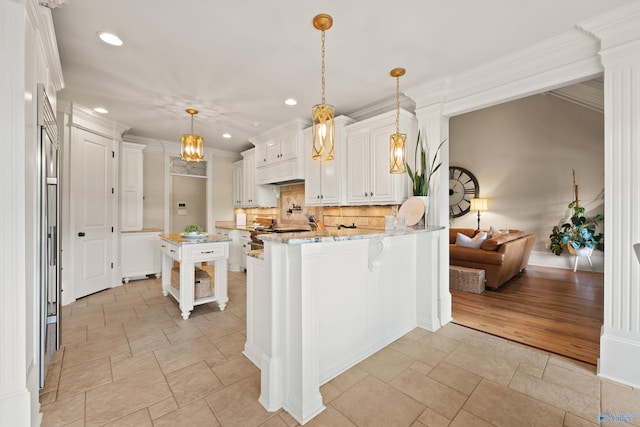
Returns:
(291,210)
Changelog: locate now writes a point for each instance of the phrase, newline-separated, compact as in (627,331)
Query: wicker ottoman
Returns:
(466,279)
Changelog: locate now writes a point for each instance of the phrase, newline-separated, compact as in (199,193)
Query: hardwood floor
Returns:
(552,309)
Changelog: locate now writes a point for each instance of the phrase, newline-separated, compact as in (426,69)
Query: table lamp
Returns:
(479,205)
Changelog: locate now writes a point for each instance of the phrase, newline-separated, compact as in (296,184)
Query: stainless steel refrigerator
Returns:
(48,231)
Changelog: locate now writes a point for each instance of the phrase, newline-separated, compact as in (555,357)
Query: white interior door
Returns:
(92,195)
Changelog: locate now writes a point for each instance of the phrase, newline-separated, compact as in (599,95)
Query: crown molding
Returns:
(41,18)
(616,27)
(569,58)
(296,124)
(172,147)
(589,94)
(85,118)
(383,106)
(429,93)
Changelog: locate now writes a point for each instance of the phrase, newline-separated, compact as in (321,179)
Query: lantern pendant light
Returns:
(397,140)
(191,145)
(322,114)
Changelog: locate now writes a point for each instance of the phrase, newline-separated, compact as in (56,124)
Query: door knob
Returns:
(81,234)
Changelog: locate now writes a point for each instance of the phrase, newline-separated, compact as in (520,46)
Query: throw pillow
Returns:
(493,230)
(471,242)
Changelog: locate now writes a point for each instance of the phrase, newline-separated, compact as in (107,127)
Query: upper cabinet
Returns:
(237,183)
(278,153)
(254,194)
(368,177)
(325,180)
(131,207)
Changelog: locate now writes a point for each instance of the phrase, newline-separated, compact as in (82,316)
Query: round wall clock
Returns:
(463,185)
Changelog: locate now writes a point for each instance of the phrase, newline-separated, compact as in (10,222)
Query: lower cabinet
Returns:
(238,247)
(140,255)
(244,240)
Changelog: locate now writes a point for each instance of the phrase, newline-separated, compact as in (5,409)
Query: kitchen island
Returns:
(320,302)
(189,251)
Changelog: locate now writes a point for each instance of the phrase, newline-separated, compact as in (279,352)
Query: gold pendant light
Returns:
(322,114)
(191,145)
(397,142)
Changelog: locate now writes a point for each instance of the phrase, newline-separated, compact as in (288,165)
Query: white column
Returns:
(434,128)
(14,394)
(620,54)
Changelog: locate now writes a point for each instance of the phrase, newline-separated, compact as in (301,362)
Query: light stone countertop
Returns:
(209,238)
(256,253)
(231,225)
(336,235)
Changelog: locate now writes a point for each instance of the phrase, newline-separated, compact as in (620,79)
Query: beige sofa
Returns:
(501,257)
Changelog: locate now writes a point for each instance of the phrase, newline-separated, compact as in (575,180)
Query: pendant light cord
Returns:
(322,68)
(398,105)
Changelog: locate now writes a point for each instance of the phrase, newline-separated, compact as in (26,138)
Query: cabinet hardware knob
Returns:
(81,234)
(171,250)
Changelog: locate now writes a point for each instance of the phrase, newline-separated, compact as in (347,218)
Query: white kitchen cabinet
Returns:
(244,240)
(239,245)
(253,194)
(325,180)
(140,252)
(279,153)
(368,178)
(131,186)
(237,183)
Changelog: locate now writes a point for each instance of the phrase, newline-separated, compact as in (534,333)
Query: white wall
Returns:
(156,159)
(153,183)
(522,153)
(191,191)
(222,191)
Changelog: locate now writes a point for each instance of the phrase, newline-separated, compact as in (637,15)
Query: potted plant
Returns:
(192,230)
(578,234)
(421,174)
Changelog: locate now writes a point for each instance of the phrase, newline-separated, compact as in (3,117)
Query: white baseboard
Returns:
(566,260)
(15,408)
(619,359)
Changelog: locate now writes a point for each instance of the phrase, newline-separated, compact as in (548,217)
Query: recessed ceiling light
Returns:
(290,101)
(101,110)
(109,38)
(226,135)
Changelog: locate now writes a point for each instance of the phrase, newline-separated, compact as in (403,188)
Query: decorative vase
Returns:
(425,202)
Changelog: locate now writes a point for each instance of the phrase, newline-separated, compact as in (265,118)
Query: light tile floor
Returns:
(130,360)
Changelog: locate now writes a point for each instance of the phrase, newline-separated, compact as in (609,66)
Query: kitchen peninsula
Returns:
(188,251)
(320,302)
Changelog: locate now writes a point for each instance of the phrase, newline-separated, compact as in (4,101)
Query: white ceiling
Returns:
(237,60)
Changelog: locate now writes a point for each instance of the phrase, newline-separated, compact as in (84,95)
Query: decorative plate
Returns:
(412,210)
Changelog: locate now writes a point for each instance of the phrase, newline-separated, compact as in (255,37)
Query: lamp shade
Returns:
(479,204)
(191,145)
